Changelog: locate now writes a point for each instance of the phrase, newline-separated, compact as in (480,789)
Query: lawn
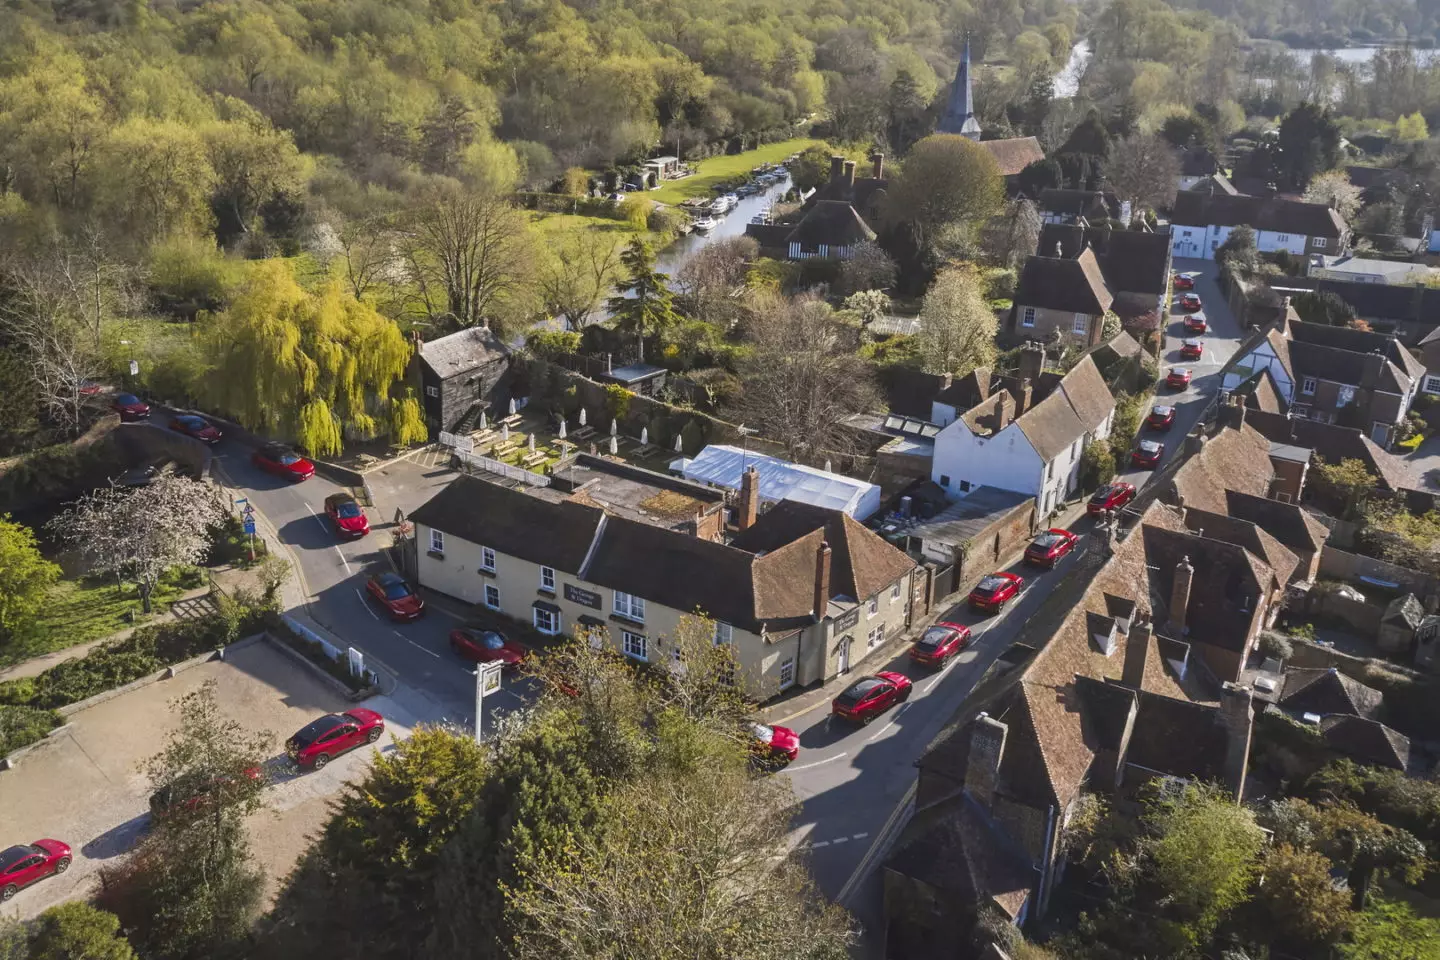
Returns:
(720,169)
(554,227)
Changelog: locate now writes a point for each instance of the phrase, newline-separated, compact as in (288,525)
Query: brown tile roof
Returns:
(1368,741)
(1014,154)
(1289,523)
(1225,591)
(508,521)
(1107,708)
(1326,691)
(957,850)
(1260,393)
(1244,533)
(990,416)
(1230,460)
(1078,405)
(965,392)
(1178,737)
(1333,443)
(1262,213)
(833,223)
(784,581)
(1132,261)
(1068,285)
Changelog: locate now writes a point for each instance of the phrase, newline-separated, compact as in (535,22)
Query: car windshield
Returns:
(762,733)
(12,856)
(1149,446)
(492,641)
(858,691)
(1103,494)
(1047,540)
(1181,373)
(349,509)
(1163,411)
(316,729)
(990,584)
(286,458)
(396,590)
(933,637)
(192,422)
(127,399)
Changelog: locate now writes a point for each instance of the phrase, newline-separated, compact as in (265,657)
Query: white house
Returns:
(1263,350)
(1203,221)
(1033,451)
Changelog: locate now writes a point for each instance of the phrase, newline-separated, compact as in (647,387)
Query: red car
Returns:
(1112,496)
(994,591)
(23,865)
(486,646)
(186,798)
(197,427)
(939,643)
(1196,323)
(1178,378)
(396,596)
(1181,282)
(1047,549)
(774,745)
(321,741)
(280,460)
(130,407)
(1148,454)
(1190,302)
(1161,417)
(1192,349)
(344,511)
(868,697)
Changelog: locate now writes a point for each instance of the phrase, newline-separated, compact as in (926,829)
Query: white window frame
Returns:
(432,391)
(1027,317)
(1432,383)
(1080,326)
(490,588)
(1282,238)
(487,559)
(552,625)
(629,606)
(1307,386)
(787,673)
(875,636)
(630,642)
(1301,410)
(437,541)
(895,591)
(547,579)
(1320,242)
(1345,395)
(724,633)
(872,607)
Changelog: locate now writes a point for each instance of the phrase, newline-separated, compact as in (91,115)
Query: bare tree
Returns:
(957,326)
(140,532)
(1145,170)
(1014,235)
(803,377)
(40,320)
(575,278)
(869,268)
(370,254)
(713,279)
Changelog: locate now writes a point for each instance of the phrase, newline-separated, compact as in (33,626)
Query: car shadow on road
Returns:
(118,839)
(307,533)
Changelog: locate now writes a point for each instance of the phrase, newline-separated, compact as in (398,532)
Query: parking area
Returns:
(407,482)
(87,786)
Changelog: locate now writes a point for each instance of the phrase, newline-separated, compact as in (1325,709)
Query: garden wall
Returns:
(1336,564)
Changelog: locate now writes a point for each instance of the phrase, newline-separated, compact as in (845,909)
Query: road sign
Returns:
(134,368)
(248,511)
(250,526)
(487,681)
(357,662)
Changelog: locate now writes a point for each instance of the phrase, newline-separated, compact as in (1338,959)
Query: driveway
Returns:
(88,788)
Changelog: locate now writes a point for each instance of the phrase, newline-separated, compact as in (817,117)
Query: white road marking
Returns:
(838,840)
(342,558)
(414,644)
(819,843)
(807,766)
(366,605)
(317,518)
(859,836)
(885,729)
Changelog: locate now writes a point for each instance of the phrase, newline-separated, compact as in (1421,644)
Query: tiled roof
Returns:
(1217,183)
(1244,533)
(507,521)
(462,352)
(1178,737)
(1107,708)
(1077,406)
(1289,523)
(1014,154)
(1326,691)
(990,416)
(958,851)
(1262,213)
(1069,285)
(966,391)
(832,223)
(1334,444)
(1368,741)
(1405,611)
(1260,392)
(1131,261)
(1225,591)
(1232,460)
(1090,204)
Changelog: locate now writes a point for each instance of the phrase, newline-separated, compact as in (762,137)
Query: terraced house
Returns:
(801,592)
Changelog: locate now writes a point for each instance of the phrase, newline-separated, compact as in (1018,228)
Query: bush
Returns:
(552,344)
(1097,466)
(22,726)
(1274,645)
(315,653)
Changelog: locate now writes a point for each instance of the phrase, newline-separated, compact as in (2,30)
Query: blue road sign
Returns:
(249,526)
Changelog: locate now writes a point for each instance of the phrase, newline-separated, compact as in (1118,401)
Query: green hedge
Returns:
(312,651)
(22,726)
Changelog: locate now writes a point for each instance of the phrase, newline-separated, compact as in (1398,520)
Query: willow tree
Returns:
(319,367)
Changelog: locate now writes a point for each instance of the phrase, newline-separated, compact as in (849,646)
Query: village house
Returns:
(1012,154)
(800,592)
(1059,205)
(462,376)
(834,219)
(1135,263)
(1196,164)
(1061,296)
(1202,221)
(1409,310)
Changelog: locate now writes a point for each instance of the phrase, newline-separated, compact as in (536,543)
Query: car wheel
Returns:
(320,762)
(865,720)
(62,865)
(373,735)
(905,694)
(7,893)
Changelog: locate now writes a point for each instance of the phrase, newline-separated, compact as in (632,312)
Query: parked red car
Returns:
(939,643)
(994,591)
(774,745)
(1148,454)
(1178,378)
(1181,282)
(130,407)
(396,596)
(320,741)
(486,646)
(1050,547)
(868,697)
(1161,417)
(1112,496)
(197,427)
(1192,349)
(189,798)
(344,511)
(24,864)
(280,460)
(1190,302)
(1196,323)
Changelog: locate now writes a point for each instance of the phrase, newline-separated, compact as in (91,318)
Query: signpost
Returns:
(357,662)
(487,681)
(247,520)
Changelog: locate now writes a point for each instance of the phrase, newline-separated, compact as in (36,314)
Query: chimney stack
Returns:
(822,579)
(749,498)
(1180,595)
(1032,361)
(837,168)
(1232,414)
(1027,391)
(1238,715)
(849,173)
(982,767)
(877,165)
(1137,651)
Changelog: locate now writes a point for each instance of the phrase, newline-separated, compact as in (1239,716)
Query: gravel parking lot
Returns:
(87,786)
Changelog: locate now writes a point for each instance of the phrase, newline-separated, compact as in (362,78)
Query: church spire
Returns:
(960,111)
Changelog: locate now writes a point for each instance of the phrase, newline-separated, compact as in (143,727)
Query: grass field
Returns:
(719,169)
(555,226)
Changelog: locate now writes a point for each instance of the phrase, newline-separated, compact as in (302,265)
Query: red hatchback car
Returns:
(1192,349)
(1047,549)
(1182,282)
(774,745)
(280,460)
(939,643)
(1148,454)
(344,511)
(1196,323)
(1161,417)
(24,864)
(868,697)
(396,596)
(130,407)
(1178,378)
(1112,496)
(320,741)
(994,591)
(1190,302)
(190,798)
(486,646)
(197,427)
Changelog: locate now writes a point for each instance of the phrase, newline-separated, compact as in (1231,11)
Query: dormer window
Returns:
(1307,386)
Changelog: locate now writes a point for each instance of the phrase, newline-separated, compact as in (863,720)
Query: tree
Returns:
(1412,126)
(868,268)
(1392,930)
(25,577)
(635,210)
(576,273)
(253,164)
(316,366)
(1189,129)
(1309,143)
(78,931)
(811,168)
(1348,482)
(1297,902)
(957,327)
(870,306)
(644,304)
(1323,306)
(575,182)
(1145,170)
(947,184)
(140,532)
(1334,189)
(1017,235)
(1238,250)
(712,280)
(1090,138)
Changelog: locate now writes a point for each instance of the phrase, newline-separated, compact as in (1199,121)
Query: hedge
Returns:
(22,726)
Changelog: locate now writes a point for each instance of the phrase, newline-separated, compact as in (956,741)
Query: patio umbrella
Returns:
(532,443)
(512,406)
(644,436)
(827,466)
(484,425)
(582,416)
(504,431)
(679,443)
(614,427)
(614,447)
(562,429)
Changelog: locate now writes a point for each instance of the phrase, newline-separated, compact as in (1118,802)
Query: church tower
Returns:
(960,111)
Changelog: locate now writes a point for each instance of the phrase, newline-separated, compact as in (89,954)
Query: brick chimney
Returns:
(1137,651)
(849,173)
(1238,715)
(1232,413)
(982,767)
(1032,361)
(1027,392)
(877,165)
(749,498)
(1180,595)
(837,168)
(822,579)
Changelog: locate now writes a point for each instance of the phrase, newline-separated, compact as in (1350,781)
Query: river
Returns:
(673,257)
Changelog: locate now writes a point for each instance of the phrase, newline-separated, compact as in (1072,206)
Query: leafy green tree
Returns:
(957,326)
(644,304)
(1323,306)
(1238,250)
(25,577)
(78,931)
(253,163)
(1333,188)
(1297,903)
(811,168)
(1188,129)
(1392,930)
(948,185)
(1309,143)
(1349,483)
(1412,126)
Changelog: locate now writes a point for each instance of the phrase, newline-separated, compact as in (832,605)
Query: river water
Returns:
(673,257)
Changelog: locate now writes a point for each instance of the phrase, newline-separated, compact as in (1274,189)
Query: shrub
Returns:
(22,726)
(1097,466)
(551,344)
(1274,645)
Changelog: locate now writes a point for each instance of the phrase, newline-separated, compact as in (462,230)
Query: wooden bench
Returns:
(531,459)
